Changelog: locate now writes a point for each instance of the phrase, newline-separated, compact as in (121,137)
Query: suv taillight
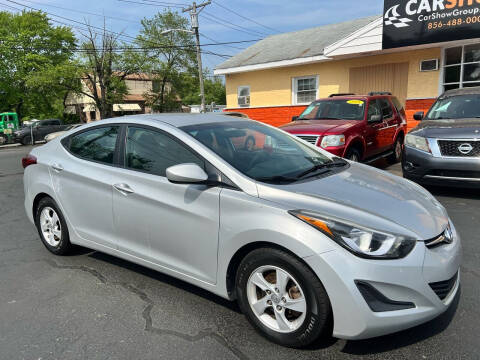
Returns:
(29,160)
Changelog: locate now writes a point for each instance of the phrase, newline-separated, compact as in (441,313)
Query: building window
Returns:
(305,89)
(461,67)
(244,96)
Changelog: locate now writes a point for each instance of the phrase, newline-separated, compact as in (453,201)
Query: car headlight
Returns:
(361,241)
(417,142)
(333,140)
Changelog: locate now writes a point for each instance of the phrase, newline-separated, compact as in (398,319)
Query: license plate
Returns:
(7,131)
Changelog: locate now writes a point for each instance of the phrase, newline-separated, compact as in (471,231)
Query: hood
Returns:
(448,129)
(319,127)
(366,196)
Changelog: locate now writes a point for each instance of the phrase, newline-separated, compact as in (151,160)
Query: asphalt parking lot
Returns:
(92,306)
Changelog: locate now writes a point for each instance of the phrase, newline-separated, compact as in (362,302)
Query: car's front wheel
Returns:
(52,227)
(283,298)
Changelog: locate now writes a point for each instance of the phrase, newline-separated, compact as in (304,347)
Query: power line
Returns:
(151,4)
(230,25)
(225,45)
(244,17)
(82,12)
(166,3)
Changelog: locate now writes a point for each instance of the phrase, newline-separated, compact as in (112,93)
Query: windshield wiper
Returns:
(277,179)
(336,162)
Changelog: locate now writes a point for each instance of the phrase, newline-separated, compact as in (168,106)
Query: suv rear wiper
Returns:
(336,162)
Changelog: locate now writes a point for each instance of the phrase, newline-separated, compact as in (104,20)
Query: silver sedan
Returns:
(309,244)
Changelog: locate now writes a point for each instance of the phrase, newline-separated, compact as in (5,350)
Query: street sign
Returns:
(417,22)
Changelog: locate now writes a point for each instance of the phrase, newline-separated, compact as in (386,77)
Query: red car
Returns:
(358,128)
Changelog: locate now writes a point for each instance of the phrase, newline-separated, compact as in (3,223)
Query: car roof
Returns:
(176,119)
(465,91)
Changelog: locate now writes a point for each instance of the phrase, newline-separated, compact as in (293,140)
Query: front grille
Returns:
(443,288)
(312,139)
(459,148)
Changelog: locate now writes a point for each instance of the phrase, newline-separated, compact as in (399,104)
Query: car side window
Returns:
(97,144)
(153,152)
(387,110)
(373,109)
(399,106)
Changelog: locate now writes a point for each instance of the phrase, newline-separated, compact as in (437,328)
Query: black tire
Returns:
(64,246)
(353,154)
(318,319)
(397,151)
(26,140)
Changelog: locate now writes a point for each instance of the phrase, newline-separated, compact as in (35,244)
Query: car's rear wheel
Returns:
(26,140)
(52,227)
(397,151)
(283,298)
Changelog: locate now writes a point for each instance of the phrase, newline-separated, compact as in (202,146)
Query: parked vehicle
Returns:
(52,136)
(8,124)
(235,114)
(308,244)
(39,129)
(444,149)
(356,127)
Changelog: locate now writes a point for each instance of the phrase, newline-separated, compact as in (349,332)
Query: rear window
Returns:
(398,105)
(97,144)
(387,110)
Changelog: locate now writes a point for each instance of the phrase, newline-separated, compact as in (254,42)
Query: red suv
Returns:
(356,127)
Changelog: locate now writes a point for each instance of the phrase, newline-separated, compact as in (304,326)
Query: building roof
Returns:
(294,45)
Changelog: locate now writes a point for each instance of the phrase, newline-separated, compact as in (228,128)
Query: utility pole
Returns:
(194,10)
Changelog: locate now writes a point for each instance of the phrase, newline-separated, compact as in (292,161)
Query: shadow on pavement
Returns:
(155,275)
(406,337)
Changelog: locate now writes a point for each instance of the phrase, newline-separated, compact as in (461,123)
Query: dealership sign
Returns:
(416,22)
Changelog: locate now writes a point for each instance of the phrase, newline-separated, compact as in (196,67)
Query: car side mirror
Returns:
(187,174)
(375,119)
(419,116)
(294,118)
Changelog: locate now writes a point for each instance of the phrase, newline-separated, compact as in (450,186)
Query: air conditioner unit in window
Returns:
(429,65)
(244,101)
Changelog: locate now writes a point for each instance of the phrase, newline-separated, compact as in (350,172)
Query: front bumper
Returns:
(429,169)
(403,280)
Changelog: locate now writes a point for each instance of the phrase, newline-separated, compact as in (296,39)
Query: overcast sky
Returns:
(273,15)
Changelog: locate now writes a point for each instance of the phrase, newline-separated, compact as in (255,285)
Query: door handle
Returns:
(57,167)
(123,188)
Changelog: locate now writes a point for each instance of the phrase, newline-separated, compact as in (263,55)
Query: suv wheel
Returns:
(283,298)
(397,151)
(353,155)
(52,227)
(26,140)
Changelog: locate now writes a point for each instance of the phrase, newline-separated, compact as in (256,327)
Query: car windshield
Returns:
(341,109)
(263,153)
(455,107)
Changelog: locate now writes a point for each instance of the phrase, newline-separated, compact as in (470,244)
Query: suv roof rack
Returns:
(373,93)
(333,95)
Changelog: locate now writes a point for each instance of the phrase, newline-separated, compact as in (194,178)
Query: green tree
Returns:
(214,90)
(166,57)
(33,56)
(104,69)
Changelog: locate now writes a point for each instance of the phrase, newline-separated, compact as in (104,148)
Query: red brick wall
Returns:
(275,115)
(280,115)
(413,106)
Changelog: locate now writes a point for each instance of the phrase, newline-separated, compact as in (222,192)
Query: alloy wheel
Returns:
(50,226)
(276,299)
